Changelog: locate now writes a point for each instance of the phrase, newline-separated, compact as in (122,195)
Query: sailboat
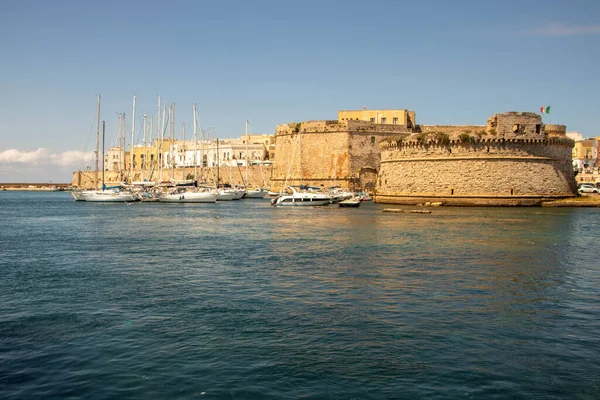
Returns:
(104,194)
(300,195)
(185,192)
(252,193)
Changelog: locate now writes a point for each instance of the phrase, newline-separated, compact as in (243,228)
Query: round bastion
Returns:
(513,161)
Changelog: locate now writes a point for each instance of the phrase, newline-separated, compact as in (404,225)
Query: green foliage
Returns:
(189,176)
(297,127)
(422,137)
(466,138)
(399,138)
(442,138)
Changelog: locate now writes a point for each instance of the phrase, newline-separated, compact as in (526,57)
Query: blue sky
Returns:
(273,62)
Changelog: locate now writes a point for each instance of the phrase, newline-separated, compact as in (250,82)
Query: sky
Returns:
(274,62)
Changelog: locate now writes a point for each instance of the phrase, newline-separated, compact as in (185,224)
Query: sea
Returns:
(242,300)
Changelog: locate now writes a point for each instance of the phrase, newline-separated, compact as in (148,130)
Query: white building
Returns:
(210,153)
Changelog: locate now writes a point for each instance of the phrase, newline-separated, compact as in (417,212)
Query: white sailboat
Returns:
(189,193)
(300,195)
(104,194)
(183,195)
(252,193)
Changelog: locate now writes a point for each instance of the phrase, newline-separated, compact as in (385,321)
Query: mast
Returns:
(144,159)
(97,143)
(162,141)
(103,167)
(158,129)
(300,142)
(218,161)
(172,136)
(247,182)
(151,130)
(122,145)
(183,150)
(195,145)
(132,140)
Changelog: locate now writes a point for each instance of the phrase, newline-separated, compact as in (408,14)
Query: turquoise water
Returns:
(240,300)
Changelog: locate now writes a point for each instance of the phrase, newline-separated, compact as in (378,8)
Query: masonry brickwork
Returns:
(329,153)
(511,160)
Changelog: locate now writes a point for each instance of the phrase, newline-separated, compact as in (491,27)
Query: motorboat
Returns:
(301,197)
(352,202)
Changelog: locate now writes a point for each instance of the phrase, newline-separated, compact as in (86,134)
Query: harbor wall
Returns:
(491,171)
(258,176)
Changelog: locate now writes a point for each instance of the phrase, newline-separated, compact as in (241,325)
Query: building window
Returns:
(372,119)
(538,128)
(383,120)
(516,128)
(372,139)
(395,120)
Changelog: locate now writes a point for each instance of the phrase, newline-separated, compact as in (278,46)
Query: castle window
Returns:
(372,139)
(372,119)
(383,120)
(516,128)
(538,128)
(395,120)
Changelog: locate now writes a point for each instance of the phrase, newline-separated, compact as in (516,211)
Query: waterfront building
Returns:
(394,117)
(585,154)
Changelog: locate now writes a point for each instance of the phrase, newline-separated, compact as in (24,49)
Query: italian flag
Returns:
(545,110)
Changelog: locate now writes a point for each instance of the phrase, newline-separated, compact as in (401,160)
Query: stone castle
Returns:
(512,160)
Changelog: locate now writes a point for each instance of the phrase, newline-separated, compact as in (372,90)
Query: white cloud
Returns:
(564,30)
(44,156)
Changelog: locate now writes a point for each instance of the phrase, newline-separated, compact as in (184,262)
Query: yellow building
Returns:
(394,117)
(585,153)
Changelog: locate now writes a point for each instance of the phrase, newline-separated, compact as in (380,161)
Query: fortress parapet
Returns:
(330,153)
(511,160)
(555,130)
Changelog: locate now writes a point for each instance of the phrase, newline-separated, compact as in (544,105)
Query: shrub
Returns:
(422,137)
(297,128)
(466,138)
(442,138)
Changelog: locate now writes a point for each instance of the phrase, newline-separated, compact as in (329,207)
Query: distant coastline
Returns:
(41,187)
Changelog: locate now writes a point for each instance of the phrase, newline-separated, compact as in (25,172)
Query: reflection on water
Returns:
(244,300)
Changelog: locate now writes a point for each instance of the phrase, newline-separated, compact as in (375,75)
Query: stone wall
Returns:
(492,171)
(328,153)
(474,129)
(555,130)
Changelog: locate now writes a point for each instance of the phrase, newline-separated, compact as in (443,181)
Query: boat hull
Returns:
(104,196)
(200,197)
(289,201)
(256,194)
(349,203)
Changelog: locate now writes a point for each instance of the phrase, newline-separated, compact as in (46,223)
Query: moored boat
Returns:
(353,202)
(301,197)
(181,195)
